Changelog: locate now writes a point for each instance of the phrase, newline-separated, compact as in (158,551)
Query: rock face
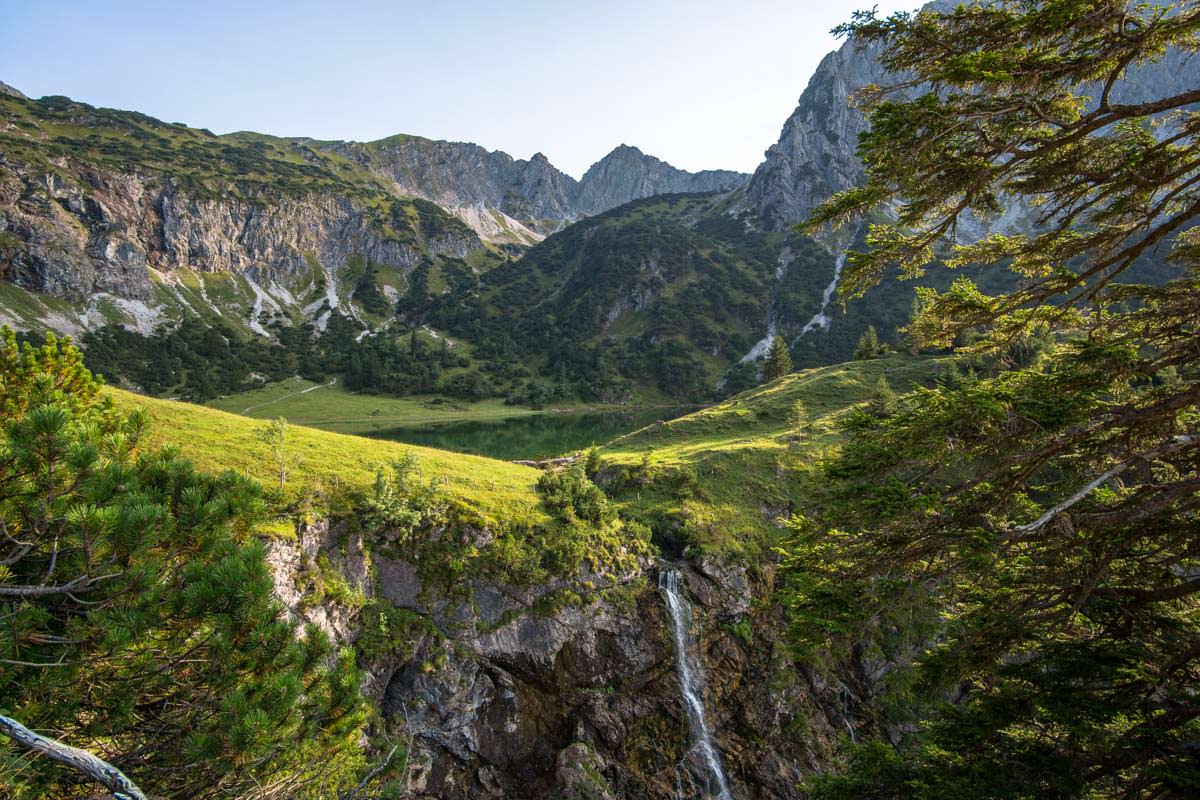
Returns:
(458,175)
(78,231)
(815,155)
(578,701)
(629,174)
(11,91)
(533,196)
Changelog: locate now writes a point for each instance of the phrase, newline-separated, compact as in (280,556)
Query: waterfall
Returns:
(760,349)
(691,683)
(821,319)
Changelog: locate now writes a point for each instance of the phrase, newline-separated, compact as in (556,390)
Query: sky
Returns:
(702,84)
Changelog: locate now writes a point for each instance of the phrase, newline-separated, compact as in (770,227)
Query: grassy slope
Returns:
(716,480)
(336,408)
(216,440)
(746,457)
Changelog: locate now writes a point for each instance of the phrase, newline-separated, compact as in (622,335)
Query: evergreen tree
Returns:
(799,421)
(883,398)
(367,294)
(868,344)
(1028,540)
(779,360)
(415,301)
(140,622)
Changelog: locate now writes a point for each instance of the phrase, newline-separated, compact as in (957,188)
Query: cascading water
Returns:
(821,319)
(760,349)
(706,758)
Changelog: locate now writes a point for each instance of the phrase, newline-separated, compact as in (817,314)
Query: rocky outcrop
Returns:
(458,175)
(11,91)
(77,231)
(507,695)
(532,194)
(629,174)
(815,155)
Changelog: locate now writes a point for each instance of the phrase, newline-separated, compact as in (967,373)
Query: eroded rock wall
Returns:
(515,698)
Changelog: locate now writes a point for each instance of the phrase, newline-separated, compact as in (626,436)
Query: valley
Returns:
(485,427)
(408,469)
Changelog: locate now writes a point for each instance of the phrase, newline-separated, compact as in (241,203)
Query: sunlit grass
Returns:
(215,440)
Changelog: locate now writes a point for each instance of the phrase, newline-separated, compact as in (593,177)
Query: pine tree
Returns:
(1033,533)
(140,621)
(799,421)
(883,398)
(779,360)
(868,344)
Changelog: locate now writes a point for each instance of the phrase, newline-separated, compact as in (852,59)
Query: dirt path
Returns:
(248,409)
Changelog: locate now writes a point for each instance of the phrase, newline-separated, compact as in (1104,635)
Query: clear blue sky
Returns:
(700,83)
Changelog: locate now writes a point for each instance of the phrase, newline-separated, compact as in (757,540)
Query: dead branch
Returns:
(81,760)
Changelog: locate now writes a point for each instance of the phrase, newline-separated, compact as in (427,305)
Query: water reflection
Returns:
(530,437)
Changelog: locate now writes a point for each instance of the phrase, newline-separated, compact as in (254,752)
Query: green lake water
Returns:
(536,436)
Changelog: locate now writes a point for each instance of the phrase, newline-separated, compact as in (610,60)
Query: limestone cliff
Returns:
(815,154)
(506,695)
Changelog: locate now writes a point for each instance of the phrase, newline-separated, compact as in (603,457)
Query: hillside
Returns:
(715,478)
(489,490)
(717,481)
(664,294)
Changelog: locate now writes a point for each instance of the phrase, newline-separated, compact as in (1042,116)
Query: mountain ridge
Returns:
(533,196)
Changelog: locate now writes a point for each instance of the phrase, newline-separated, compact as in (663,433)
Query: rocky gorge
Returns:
(510,693)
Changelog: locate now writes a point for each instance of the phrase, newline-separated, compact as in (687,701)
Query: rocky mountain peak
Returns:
(815,156)
(627,174)
(532,197)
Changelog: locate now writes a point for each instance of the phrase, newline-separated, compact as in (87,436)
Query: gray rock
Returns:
(533,193)
(815,155)
(579,702)
(96,230)
(629,174)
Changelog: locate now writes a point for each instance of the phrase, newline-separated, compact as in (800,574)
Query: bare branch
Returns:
(81,584)
(1178,443)
(81,760)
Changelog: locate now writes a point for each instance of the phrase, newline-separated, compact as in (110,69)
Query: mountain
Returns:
(504,199)
(629,174)
(517,201)
(665,293)
(114,216)
(815,155)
